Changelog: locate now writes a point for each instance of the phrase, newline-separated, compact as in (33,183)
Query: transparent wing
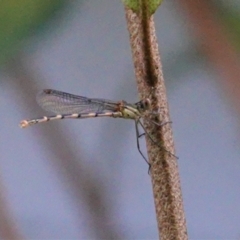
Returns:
(66,103)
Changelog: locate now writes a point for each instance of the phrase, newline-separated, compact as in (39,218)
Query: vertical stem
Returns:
(164,169)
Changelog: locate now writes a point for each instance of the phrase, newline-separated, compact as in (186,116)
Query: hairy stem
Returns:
(164,169)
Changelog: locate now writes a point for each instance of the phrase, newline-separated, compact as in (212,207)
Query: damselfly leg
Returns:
(138,121)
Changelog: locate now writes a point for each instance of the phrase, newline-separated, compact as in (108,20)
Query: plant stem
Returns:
(164,169)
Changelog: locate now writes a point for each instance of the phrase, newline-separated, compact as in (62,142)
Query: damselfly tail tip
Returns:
(24,124)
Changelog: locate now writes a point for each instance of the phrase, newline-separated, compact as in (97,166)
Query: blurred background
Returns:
(84,179)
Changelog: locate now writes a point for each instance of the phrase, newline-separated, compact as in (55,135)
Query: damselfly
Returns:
(68,106)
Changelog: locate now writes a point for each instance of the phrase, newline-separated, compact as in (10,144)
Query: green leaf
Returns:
(152,5)
(132,4)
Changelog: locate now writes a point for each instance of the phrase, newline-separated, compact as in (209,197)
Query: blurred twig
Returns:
(164,170)
(8,227)
(216,45)
(85,189)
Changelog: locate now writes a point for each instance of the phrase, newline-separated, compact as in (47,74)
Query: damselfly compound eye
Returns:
(143,105)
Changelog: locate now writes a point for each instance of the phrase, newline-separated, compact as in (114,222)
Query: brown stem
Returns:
(164,170)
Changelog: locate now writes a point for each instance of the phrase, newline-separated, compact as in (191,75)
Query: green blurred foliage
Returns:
(20,19)
(232,22)
(230,17)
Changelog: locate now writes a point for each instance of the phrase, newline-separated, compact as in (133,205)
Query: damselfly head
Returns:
(143,105)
